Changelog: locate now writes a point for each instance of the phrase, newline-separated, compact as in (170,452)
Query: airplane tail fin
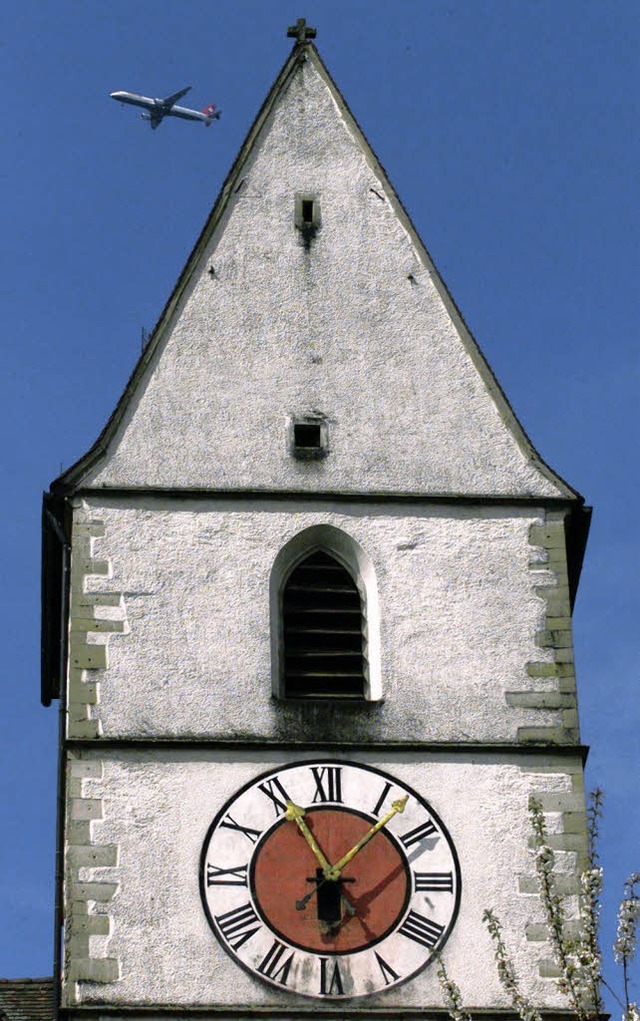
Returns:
(212,113)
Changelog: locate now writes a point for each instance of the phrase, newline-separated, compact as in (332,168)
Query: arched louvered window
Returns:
(322,623)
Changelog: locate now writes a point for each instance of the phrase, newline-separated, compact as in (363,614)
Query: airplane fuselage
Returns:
(157,109)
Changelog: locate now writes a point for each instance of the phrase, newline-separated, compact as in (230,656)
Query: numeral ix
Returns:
(236,877)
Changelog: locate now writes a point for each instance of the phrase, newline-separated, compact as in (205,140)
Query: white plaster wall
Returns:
(157,809)
(458,610)
(339,329)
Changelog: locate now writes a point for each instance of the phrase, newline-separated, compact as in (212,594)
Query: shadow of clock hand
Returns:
(357,908)
(352,912)
(361,903)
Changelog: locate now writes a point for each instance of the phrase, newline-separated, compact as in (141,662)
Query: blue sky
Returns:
(509,129)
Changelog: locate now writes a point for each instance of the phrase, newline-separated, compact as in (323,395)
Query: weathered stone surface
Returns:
(459,609)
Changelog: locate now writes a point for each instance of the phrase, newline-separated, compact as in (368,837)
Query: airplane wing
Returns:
(170,100)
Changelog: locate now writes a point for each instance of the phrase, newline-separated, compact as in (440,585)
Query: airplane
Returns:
(160,108)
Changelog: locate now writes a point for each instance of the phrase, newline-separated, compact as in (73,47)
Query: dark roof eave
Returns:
(54,596)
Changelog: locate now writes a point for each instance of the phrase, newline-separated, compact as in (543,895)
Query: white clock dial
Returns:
(330,879)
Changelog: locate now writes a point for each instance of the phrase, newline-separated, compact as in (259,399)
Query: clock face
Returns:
(330,879)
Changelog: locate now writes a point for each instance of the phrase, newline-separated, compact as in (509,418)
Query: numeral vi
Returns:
(330,985)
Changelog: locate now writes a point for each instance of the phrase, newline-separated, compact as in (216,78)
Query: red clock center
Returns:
(372,897)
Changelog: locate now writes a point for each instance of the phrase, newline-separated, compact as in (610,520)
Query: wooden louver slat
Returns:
(322,624)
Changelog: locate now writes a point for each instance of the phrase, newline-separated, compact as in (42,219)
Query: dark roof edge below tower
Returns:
(301,52)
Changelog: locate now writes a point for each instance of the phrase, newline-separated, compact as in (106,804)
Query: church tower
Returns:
(308,615)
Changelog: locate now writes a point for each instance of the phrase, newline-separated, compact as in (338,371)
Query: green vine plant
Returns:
(573,944)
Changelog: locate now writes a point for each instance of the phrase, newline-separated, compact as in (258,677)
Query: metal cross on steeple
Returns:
(301,32)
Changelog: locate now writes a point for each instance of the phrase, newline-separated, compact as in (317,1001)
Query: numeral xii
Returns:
(328,783)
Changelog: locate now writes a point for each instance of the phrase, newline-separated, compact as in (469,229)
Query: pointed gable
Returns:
(339,319)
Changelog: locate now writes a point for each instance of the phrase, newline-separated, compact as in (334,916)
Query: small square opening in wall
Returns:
(308,438)
(307,213)
(307,434)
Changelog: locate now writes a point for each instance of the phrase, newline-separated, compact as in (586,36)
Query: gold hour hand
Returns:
(296,814)
(396,806)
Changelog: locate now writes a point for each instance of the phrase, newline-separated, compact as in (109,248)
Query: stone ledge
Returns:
(539,699)
(550,535)
(546,668)
(538,735)
(97,599)
(98,624)
(560,638)
(93,856)
(86,729)
(94,891)
(94,969)
(88,657)
(569,885)
(85,808)
(90,925)
(93,528)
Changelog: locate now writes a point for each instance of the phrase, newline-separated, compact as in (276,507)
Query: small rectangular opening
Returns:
(307,213)
(307,435)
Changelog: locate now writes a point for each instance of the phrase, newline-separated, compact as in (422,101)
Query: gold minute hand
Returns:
(396,806)
(296,814)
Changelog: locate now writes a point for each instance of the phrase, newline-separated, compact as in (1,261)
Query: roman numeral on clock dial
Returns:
(239,925)
(236,877)
(424,881)
(426,829)
(328,783)
(229,823)
(381,800)
(271,966)
(276,792)
(421,930)
(388,974)
(330,978)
